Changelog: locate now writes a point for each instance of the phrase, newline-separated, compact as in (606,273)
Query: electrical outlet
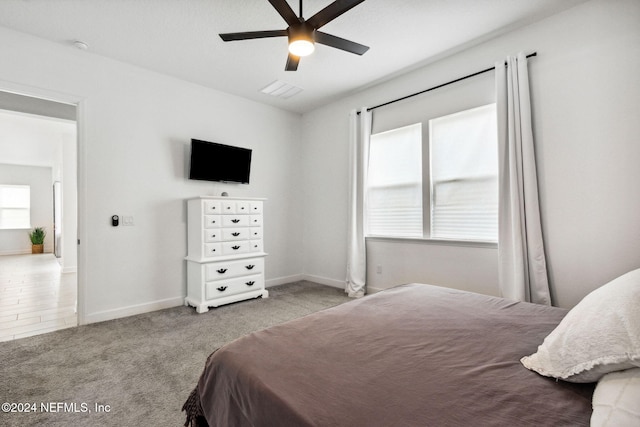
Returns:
(379,269)
(127,220)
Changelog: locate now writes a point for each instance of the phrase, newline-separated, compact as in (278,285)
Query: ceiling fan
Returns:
(303,34)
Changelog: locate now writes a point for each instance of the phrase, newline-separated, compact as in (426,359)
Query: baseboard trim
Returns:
(24,252)
(325,281)
(298,277)
(132,310)
(283,280)
(371,290)
(19,252)
(117,313)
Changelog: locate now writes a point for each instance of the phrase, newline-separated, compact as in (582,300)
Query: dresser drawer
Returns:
(255,232)
(255,207)
(212,249)
(229,207)
(235,248)
(242,207)
(212,221)
(229,269)
(238,285)
(235,220)
(212,207)
(255,220)
(235,234)
(212,235)
(256,246)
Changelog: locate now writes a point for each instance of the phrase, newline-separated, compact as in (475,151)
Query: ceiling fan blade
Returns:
(292,63)
(331,12)
(285,11)
(340,43)
(252,35)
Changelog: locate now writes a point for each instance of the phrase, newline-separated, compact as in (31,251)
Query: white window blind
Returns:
(464,175)
(15,206)
(394,191)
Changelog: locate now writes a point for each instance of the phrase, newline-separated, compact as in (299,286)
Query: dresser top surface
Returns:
(227,198)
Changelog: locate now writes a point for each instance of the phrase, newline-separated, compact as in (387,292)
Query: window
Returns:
(15,206)
(464,175)
(459,200)
(394,193)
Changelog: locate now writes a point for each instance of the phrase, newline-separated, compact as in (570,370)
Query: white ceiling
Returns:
(180,38)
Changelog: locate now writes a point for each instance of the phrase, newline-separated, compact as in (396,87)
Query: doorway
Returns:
(39,142)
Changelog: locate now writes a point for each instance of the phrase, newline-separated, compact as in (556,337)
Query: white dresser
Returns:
(225,260)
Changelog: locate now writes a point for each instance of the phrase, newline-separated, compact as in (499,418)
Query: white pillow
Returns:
(599,335)
(616,400)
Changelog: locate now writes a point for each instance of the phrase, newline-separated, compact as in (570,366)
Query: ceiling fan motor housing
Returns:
(302,39)
(303,31)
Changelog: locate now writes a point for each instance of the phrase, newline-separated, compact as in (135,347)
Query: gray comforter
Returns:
(414,355)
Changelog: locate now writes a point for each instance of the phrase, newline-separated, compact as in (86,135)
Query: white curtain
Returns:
(359,134)
(522,270)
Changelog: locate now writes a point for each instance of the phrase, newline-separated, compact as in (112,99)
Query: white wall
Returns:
(38,178)
(585,85)
(135,127)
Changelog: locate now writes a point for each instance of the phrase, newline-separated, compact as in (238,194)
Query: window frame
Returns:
(427,202)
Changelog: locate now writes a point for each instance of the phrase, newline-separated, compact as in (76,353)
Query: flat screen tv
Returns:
(211,161)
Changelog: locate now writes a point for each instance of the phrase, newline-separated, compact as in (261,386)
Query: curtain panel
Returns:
(359,134)
(522,264)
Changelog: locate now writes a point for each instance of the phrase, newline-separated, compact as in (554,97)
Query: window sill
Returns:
(438,242)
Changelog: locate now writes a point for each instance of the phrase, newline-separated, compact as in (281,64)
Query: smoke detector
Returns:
(80,45)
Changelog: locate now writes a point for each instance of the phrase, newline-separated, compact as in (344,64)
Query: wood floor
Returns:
(35,297)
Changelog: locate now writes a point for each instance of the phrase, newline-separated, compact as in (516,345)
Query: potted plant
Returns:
(37,236)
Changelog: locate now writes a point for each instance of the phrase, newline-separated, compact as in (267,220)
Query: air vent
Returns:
(281,89)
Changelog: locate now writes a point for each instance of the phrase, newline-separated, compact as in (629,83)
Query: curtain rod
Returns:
(439,86)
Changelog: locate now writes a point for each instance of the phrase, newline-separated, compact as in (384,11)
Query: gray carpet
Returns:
(143,367)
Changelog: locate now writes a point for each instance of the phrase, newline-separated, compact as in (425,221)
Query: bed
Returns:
(413,355)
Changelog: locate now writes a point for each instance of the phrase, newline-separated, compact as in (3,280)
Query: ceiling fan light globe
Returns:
(301,47)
